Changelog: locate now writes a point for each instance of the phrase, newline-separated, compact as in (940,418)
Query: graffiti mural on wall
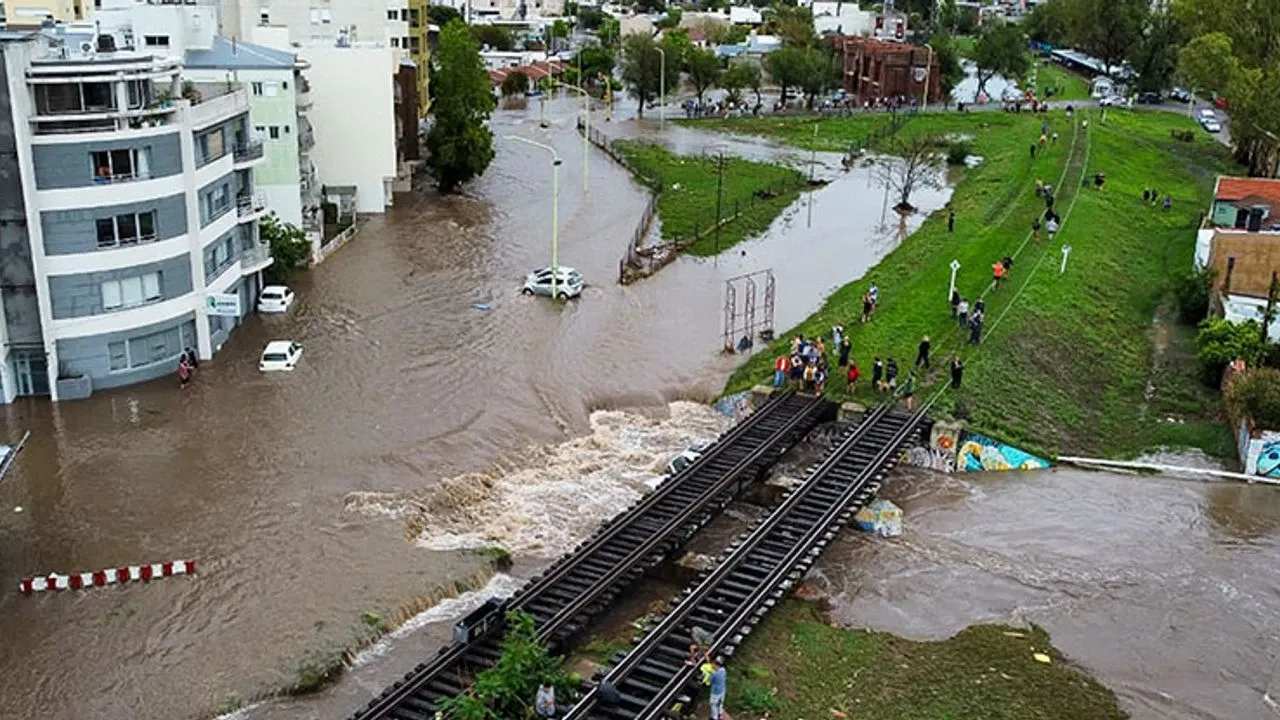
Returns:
(1261,454)
(940,454)
(734,406)
(981,453)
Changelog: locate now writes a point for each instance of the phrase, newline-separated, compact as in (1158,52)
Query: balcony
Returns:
(306,138)
(251,206)
(246,153)
(256,257)
(210,110)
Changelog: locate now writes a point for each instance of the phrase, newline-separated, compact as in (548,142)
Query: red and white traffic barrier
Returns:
(133,573)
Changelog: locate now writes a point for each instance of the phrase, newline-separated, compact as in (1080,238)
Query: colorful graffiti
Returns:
(979,453)
(734,406)
(1261,454)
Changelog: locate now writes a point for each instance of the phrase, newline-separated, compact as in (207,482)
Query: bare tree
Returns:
(909,164)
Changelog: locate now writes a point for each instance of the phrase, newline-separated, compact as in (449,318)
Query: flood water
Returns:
(283,487)
(1166,590)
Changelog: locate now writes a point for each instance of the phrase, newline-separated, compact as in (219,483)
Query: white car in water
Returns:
(280,355)
(568,282)
(1212,126)
(686,458)
(275,299)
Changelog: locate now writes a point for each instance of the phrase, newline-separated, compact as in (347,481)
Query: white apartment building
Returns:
(319,21)
(130,214)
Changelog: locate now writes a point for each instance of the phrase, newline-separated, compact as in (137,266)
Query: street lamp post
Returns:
(928,70)
(586,143)
(662,90)
(955,267)
(555,207)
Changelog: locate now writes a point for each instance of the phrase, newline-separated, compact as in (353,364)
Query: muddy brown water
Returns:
(403,383)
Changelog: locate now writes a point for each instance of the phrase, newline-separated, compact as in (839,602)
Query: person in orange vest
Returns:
(781,367)
(997,270)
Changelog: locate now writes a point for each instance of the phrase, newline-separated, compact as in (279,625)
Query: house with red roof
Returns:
(1240,240)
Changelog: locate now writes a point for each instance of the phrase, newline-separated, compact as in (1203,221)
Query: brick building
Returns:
(877,68)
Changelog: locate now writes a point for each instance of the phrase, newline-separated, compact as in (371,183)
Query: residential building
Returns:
(842,18)
(127,211)
(874,69)
(24,14)
(1240,240)
(399,24)
(754,49)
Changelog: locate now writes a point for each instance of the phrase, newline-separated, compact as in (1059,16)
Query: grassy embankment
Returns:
(797,666)
(1070,85)
(1066,360)
(757,191)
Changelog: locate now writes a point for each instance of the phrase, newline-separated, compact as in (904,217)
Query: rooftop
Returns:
(233,54)
(1256,190)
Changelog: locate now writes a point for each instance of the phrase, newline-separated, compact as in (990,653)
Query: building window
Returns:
(315,16)
(220,256)
(404,42)
(273,132)
(127,229)
(75,98)
(395,42)
(270,89)
(216,203)
(259,132)
(141,92)
(326,16)
(130,292)
(155,40)
(264,16)
(119,357)
(415,44)
(256,87)
(392,15)
(284,85)
(109,166)
(212,146)
(154,348)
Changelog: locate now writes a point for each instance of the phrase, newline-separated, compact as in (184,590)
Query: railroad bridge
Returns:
(727,601)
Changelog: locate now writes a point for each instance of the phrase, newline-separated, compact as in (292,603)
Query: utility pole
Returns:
(1270,315)
(719,195)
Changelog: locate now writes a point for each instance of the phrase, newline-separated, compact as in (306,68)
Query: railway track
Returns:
(576,587)
(755,572)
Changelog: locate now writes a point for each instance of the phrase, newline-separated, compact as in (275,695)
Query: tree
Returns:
(910,163)
(1155,56)
(596,61)
(787,68)
(715,30)
(498,38)
(1000,49)
(1208,63)
(948,16)
(1107,29)
(459,144)
(1050,22)
(288,243)
(704,70)
(950,70)
(1220,341)
(642,68)
(743,75)
(515,83)
(442,14)
(671,19)
(817,74)
(609,32)
(590,18)
(794,24)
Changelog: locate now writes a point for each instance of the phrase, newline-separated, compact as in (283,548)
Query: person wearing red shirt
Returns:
(853,375)
(781,367)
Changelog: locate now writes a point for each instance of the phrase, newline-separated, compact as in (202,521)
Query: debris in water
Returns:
(880,517)
(481,306)
(1042,658)
(18,509)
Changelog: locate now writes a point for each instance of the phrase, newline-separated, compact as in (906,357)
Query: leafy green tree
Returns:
(288,244)
(950,70)
(671,19)
(1220,341)
(597,61)
(609,32)
(507,689)
(1208,63)
(1155,56)
(817,74)
(1001,49)
(442,14)
(704,70)
(498,38)
(787,67)
(589,18)
(642,68)
(1257,393)
(794,24)
(459,144)
(515,83)
(1107,29)
(743,75)
(1049,22)
(948,16)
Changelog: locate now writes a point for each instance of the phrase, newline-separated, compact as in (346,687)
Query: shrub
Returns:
(1257,393)
(1220,341)
(958,151)
(1192,290)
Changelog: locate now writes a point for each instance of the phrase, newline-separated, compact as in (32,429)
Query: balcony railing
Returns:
(255,257)
(251,204)
(306,139)
(248,151)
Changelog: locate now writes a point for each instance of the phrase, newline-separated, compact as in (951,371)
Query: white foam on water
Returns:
(546,500)
(499,586)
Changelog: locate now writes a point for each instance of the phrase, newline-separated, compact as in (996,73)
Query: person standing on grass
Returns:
(1052,227)
(797,369)
(781,367)
(957,372)
(852,377)
(810,376)
(718,689)
(962,312)
(1168,202)
(877,374)
(837,334)
(951,221)
(909,391)
(845,348)
(1035,228)
(866,306)
(922,353)
(975,331)
(874,292)
(891,375)
(997,271)
(1033,151)
(980,306)
(955,303)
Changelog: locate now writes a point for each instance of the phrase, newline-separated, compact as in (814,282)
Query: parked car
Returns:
(280,355)
(1150,98)
(687,457)
(275,299)
(1220,102)
(1180,94)
(1212,126)
(1206,114)
(568,282)
(1112,101)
